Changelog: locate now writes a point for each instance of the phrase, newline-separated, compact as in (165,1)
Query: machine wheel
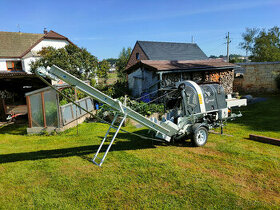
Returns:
(200,137)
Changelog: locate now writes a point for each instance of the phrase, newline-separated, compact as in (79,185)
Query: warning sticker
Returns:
(200,99)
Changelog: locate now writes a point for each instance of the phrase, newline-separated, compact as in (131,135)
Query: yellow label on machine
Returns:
(200,99)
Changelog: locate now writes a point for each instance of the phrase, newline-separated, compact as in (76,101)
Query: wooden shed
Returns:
(157,65)
(147,76)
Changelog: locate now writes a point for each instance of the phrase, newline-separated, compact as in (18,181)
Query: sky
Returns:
(104,27)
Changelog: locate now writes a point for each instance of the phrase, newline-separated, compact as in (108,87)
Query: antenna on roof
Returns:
(192,39)
(18,26)
(45,31)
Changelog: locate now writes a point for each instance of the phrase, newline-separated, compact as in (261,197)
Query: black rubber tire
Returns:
(200,137)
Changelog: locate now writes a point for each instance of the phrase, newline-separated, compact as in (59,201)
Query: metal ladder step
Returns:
(111,142)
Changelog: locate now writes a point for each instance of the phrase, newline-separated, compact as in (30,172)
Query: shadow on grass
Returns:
(133,143)
(14,129)
(262,116)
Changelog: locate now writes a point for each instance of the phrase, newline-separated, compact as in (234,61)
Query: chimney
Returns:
(45,31)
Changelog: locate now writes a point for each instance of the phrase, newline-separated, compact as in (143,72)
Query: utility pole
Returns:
(228,41)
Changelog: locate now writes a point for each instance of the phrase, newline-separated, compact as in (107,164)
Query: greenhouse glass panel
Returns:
(89,104)
(83,104)
(75,111)
(66,114)
(36,110)
(51,108)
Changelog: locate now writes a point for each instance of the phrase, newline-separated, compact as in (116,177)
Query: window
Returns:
(14,65)
(137,56)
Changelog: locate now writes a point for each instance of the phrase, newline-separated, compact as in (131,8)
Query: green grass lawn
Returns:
(112,78)
(228,172)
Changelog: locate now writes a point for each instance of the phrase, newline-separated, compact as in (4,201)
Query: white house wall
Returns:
(44,43)
(26,63)
(50,42)
(3,64)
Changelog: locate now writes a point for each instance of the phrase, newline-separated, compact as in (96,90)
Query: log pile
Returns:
(225,78)
(212,77)
(186,76)
(170,79)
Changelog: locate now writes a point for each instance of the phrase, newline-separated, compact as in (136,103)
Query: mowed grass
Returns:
(55,172)
(112,78)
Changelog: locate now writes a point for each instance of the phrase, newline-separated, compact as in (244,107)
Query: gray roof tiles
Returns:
(172,51)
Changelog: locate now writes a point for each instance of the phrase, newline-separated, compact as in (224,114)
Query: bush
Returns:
(106,89)
(92,82)
(70,93)
(140,107)
(116,90)
(120,89)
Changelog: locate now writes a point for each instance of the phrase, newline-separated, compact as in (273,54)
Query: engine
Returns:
(194,99)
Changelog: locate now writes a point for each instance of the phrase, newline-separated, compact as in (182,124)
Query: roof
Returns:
(6,74)
(166,65)
(14,44)
(53,35)
(17,44)
(172,51)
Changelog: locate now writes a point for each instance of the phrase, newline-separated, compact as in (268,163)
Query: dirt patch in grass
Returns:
(207,151)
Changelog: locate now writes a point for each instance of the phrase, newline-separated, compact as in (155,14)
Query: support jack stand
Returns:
(104,139)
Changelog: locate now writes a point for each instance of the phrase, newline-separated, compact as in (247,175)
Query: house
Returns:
(17,51)
(155,66)
(147,50)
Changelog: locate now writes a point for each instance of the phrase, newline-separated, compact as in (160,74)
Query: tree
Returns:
(248,38)
(77,61)
(267,46)
(103,69)
(112,61)
(121,64)
(264,45)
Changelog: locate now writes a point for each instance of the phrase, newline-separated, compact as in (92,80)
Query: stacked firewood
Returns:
(226,80)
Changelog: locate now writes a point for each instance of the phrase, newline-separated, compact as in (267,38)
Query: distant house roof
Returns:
(17,44)
(172,51)
(166,65)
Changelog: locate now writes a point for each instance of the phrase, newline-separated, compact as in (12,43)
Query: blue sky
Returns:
(104,27)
